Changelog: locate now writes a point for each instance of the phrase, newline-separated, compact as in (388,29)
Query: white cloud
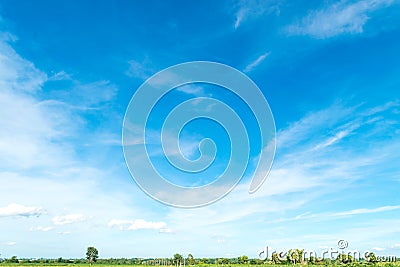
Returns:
(365,211)
(41,229)
(251,9)
(347,130)
(239,16)
(41,131)
(12,243)
(343,17)
(18,74)
(191,89)
(60,76)
(95,93)
(219,238)
(16,210)
(298,132)
(141,70)
(301,174)
(64,233)
(330,215)
(31,128)
(68,219)
(166,231)
(379,249)
(138,224)
(256,62)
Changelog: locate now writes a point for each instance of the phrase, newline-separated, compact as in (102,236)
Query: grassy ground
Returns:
(380,264)
(392,264)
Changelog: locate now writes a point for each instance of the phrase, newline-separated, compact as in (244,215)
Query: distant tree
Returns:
(190,259)
(92,254)
(275,258)
(327,262)
(243,259)
(300,254)
(178,259)
(311,260)
(256,261)
(223,261)
(233,261)
(295,256)
(14,259)
(371,257)
(343,258)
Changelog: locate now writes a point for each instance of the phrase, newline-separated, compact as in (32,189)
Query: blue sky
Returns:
(329,70)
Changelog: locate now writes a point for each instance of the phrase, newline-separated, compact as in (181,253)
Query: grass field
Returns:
(379,264)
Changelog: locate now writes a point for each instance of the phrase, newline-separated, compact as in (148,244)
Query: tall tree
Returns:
(178,259)
(92,254)
(243,259)
(190,259)
(295,256)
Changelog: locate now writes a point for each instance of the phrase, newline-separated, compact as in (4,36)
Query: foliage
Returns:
(295,256)
(190,259)
(178,259)
(243,259)
(371,257)
(92,254)
(343,258)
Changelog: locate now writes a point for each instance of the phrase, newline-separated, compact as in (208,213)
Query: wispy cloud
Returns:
(95,93)
(344,17)
(33,128)
(166,231)
(379,249)
(141,70)
(12,66)
(69,219)
(337,136)
(41,229)
(64,233)
(16,210)
(138,224)
(191,89)
(60,76)
(256,62)
(301,174)
(251,9)
(341,214)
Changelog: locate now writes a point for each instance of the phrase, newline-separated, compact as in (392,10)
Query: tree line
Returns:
(293,256)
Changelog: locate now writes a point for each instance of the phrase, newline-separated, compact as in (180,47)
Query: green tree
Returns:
(256,262)
(343,258)
(14,259)
(178,259)
(223,261)
(275,258)
(371,257)
(243,259)
(295,256)
(190,259)
(92,254)
(311,260)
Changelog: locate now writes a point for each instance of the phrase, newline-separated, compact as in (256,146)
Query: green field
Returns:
(354,264)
